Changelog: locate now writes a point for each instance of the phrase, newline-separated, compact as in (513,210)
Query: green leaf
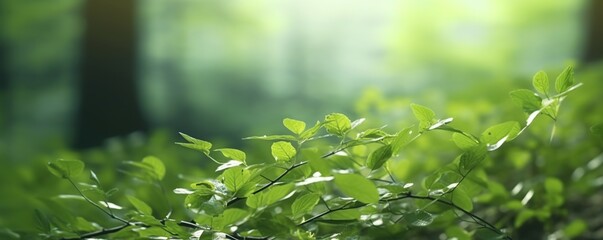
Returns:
(378,157)
(498,134)
(157,167)
(233,216)
(461,199)
(553,186)
(42,221)
(94,178)
(195,144)
(402,138)
(342,215)
(419,218)
(357,187)
(65,168)
(282,151)
(311,131)
(471,158)
(528,100)
(597,129)
(233,154)
(235,178)
(304,204)
(294,126)
(140,205)
(575,229)
(456,232)
(272,138)
(337,123)
(229,164)
(425,115)
(463,142)
(422,113)
(523,216)
(565,79)
(540,81)
(487,234)
(270,196)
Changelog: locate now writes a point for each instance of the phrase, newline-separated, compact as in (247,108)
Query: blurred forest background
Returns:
(102,76)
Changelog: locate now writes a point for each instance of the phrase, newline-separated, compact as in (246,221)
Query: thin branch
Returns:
(287,171)
(100,232)
(96,205)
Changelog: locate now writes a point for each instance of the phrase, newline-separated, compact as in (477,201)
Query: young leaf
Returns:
(496,135)
(565,79)
(195,144)
(471,158)
(229,164)
(235,178)
(425,115)
(462,199)
(378,157)
(65,168)
(419,218)
(270,196)
(541,82)
(463,142)
(553,186)
(597,129)
(140,205)
(294,126)
(272,138)
(402,138)
(304,204)
(233,154)
(157,167)
(282,151)
(311,131)
(528,100)
(337,123)
(233,216)
(357,187)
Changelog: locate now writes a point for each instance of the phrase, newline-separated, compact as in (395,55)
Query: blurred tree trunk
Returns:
(593,50)
(108,101)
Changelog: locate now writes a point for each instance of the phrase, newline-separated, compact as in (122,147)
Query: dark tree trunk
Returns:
(593,49)
(108,101)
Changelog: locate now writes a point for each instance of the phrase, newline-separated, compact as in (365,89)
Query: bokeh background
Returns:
(113,80)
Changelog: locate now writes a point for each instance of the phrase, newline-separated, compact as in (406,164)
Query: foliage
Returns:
(315,187)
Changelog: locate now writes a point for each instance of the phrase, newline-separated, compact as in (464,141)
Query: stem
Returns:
(96,205)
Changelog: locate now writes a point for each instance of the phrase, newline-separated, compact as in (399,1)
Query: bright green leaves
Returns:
(540,81)
(294,126)
(269,196)
(496,135)
(140,205)
(463,141)
(426,117)
(282,151)
(155,166)
(304,204)
(419,218)
(357,187)
(378,157)
(233,154)
(528,100)
(195,144)
(565,80)
(207,198)
(554,192)
(151,168)
(65,168)
(472,157)
(337,123)
(236,181)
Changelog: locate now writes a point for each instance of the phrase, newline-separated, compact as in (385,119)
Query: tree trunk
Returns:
(108,101)
(593,49)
